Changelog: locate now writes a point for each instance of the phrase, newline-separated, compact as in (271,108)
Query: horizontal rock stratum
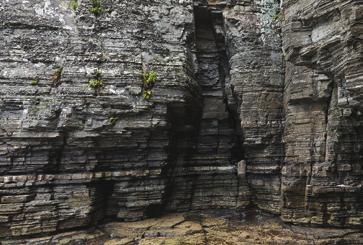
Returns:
(127,110)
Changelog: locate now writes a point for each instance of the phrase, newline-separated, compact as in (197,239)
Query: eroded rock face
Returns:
(72,154)
(256,81)
(322,176)
(86,137)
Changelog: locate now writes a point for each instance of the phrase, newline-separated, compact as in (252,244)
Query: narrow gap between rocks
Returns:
(204,133)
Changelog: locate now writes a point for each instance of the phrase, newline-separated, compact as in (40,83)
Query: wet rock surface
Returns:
(215,228)
(129,110)
(222,228)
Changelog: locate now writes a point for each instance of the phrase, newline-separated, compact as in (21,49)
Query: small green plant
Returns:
(112,120)
(149,78)
(34,82)
(73,4)
(96,7)
(147,94)
(277,16)
(57,75)
(96,81)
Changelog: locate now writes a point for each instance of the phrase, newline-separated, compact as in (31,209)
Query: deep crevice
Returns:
(103,190)
(204,132)
(183,127)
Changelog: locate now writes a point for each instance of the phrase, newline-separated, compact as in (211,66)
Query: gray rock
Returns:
(249,107)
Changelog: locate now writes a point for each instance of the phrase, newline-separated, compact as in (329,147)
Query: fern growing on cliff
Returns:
(73,4)
(147,94)
(96,82)
(96,7)
(149,79)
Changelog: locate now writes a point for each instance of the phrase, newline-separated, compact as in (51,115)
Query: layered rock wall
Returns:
(322,175)
(72,155)
(256,82)
(226,124)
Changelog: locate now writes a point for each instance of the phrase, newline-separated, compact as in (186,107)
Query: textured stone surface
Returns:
(322,175)
(64,163)
(222,229)
(256,81)
(204,228)
(229,123)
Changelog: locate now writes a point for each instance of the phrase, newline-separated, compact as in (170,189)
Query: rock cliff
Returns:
(126,110)
(322,174)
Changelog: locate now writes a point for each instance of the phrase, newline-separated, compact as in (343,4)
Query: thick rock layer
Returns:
(72,155)
(227,123)
(322,175)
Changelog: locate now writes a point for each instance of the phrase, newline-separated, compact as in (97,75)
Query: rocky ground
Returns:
(222,228)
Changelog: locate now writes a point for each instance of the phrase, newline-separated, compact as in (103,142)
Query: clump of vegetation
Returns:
(112,120)
(34,82)
(57,75)
(73,4)
(147,94)
(278,15)
(96,81)
(96,7)
(149,79)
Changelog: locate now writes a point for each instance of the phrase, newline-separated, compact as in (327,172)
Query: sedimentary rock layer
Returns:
(322,175)
(71,154)
(132,109)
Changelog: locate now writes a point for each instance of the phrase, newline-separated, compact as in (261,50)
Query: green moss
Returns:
(147,94)
(96,82)
(96,7)
(278,15)
(34,82)
(73,4)
(149,78)
(112,120)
